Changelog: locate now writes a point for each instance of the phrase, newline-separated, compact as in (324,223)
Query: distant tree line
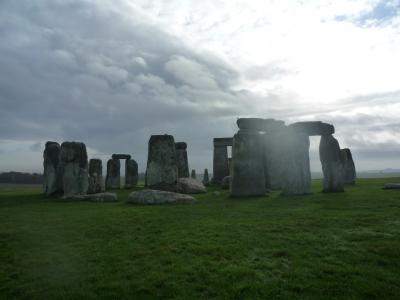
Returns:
(19,177)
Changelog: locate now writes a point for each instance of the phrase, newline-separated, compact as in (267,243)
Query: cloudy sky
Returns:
(111,73)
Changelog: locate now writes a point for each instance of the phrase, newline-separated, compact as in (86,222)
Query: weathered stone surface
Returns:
(121,156)
(348,166)
(313,128)
(332,167)
(220,163)
(225,184)
(151,197)
(162,169)
(256,124)
(296,163)
(52,174)
(113,177)
(182,159)
(223,142)
(190,186)
(98,197)
(247,178)
(74,164)
(391,186)
(96,184)
(193,174)
(206,178)
(131,173)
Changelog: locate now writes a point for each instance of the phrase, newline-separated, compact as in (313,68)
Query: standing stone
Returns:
(220,159)
(206,179)
(131,173)
(182,160)
(113,178)
(247,177)
(273,158)
(52,184)
(162,169)
(96,184)
(348,166)
(193,175)
(74,164)
(332,167)
(296,168)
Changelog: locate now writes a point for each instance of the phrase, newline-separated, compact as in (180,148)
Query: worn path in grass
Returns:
(322,246)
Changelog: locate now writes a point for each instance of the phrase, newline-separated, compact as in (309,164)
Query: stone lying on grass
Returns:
(391,186)
(99,197)
(190,186)
(159,197)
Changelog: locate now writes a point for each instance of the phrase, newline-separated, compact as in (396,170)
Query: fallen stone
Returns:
(153,197)
(99,197)
(391,186)
(190,186)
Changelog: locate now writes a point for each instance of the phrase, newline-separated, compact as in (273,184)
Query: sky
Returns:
(112,73)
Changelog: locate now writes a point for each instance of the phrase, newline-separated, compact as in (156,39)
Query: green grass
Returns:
(321,246)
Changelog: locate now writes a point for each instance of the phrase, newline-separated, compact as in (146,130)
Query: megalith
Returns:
(182,159)
(247,178)
(193,174)
(220,159)
(162,169)
(349,167)
(296,174)
(74,164)
(131,173)
(96,184)
(52,175)
(272,150)
(113,177)
(206,178)
(332,167)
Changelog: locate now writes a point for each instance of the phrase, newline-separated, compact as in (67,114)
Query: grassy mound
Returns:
(321,246)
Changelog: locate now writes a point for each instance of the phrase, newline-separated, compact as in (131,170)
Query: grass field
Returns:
(322,246)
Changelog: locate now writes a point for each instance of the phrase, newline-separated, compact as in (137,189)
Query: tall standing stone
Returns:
(182,159)
(296,167)
(206,178)
(247,177)
(273,150)
(131,173)
(74,164)
(52,181)
(220,159)
(193,175)
(332,167)
(113,178)
(348,166)
(96,184)
(162,169)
